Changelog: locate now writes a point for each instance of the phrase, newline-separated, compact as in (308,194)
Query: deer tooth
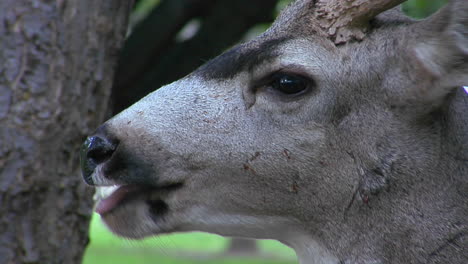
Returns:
(103,192)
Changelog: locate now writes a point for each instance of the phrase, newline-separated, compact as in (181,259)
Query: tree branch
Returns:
(153,36)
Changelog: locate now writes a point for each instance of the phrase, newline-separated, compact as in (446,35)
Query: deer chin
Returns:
(135,211)
(139,215)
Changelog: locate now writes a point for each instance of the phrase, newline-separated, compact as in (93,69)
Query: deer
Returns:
(341,131)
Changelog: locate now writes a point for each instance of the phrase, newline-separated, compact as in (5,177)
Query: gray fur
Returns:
(370,166)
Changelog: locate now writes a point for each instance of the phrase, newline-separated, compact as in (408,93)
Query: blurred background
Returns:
(166,40)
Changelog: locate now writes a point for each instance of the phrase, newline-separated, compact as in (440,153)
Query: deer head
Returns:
(341,132)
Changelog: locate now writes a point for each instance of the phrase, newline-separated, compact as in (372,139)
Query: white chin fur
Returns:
(103,192)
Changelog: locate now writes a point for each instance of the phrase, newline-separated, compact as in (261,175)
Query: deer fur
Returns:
(368,166)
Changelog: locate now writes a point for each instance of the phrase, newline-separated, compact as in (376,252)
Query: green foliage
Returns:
(281,5)
(142,9)
(422,8)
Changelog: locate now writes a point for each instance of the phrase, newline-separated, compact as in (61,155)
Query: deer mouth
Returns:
(109,198)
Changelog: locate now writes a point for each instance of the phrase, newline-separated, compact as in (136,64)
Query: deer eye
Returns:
(289,84)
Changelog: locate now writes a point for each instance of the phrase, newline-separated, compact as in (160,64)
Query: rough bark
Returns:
(223,23)
(56,69)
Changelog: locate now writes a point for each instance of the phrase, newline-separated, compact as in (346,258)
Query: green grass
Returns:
(175,249)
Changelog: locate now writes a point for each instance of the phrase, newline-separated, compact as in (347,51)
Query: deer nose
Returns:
(94,151)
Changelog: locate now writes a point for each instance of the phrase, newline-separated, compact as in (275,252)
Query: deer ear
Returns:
(441,55)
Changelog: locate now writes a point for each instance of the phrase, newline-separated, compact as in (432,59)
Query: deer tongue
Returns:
(105,205)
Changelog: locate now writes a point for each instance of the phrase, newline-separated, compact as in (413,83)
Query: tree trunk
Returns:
(56,69)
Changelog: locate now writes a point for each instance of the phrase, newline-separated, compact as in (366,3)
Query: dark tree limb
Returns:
(152,37)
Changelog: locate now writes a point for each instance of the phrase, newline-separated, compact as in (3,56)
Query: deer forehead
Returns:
(265,52)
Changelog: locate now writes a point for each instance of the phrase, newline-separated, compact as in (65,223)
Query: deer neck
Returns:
(455,129)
